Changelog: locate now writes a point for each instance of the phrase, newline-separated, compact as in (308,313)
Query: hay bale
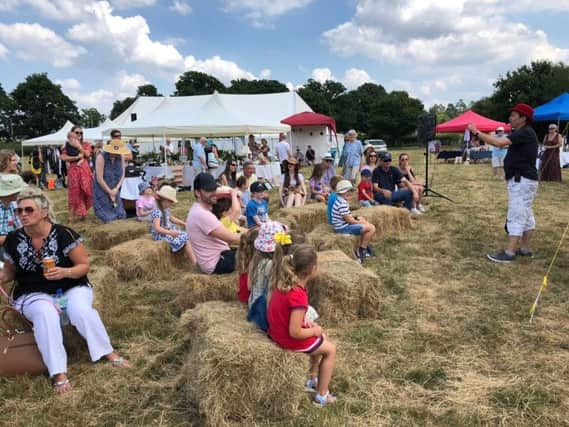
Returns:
(195,288)
(145,259)
(324,239)
(343,289)
(105,283)
(387,219)
(305,218)
(234,373)
(103,237)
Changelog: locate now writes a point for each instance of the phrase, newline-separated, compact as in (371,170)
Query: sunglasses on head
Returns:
(28,209)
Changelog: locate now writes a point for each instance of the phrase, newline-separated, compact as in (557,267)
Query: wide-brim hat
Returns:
(327,156)
(524,110)
(223,192)
(292,161)
(265,241)
(10,184)
(169,193)
(116,146)
(344,186)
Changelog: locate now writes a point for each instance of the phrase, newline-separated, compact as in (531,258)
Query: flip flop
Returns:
(61,387)
(120,362)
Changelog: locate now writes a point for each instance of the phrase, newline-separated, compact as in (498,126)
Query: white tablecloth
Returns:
(563,159)
(129,189)
(270,172)
(187,176)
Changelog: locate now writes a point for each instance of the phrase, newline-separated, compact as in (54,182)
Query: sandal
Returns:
(321,401)
(311,385)
(119,362)
(61,387)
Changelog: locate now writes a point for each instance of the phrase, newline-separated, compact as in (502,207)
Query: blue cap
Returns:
(143,186)
(366,172)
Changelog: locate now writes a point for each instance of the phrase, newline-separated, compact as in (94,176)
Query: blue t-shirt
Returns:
(331,199)
(199,151)
(259,208)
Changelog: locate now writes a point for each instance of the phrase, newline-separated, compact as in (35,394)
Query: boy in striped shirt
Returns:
(344,222)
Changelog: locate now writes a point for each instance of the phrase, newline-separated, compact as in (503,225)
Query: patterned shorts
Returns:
(520,200)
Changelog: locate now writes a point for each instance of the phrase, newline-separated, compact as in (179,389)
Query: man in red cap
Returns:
(521,178)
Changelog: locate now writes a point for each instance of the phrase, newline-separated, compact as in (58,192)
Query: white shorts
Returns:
(497,162)
(520,200)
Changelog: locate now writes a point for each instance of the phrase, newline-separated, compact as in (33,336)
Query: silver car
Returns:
(379,145)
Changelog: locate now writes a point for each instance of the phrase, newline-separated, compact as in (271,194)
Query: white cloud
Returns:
(119,86)
(33,42)
(220,68)
(259,11)
(129,38)
(131,4)
(181,7)
(355,77)
(322,74)
(3,51)
(265,73)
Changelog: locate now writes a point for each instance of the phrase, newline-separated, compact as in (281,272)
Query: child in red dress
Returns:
(289,328)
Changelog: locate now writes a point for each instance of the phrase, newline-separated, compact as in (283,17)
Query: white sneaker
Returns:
(416,211)
(421,208)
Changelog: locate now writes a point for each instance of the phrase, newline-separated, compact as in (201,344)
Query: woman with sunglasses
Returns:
(79,176)
(550,162)
(371,160)
(49,264)
(409,173)
(229,176)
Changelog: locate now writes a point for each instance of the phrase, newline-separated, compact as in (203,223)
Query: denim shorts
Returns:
(355,229)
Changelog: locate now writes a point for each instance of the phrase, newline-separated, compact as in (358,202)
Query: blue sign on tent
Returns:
(556,109)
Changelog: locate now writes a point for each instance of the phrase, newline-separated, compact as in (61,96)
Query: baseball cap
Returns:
(366,172)
(500,129)
(385,156)
(206,182)
(257,187)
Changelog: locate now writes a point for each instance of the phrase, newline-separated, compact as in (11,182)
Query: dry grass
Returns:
(343,289)
(143,259)
(451,346)
(105,236)
(234,373)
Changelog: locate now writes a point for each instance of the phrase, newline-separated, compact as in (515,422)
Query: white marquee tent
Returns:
(97,134)
(56,138)
(210,115)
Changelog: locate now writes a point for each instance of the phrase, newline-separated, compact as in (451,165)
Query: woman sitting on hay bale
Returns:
(163,223)
(288,326)
(292,191)
(47,259)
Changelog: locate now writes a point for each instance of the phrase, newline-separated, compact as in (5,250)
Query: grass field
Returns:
(452,346)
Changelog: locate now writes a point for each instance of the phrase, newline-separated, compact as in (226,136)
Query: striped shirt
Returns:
(339,209)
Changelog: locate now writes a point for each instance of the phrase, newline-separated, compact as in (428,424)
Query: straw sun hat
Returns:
(116,146)
(167,192)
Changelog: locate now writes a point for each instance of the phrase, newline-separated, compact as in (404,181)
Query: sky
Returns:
(439,51)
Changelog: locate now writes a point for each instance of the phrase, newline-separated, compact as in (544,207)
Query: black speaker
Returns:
(426,124)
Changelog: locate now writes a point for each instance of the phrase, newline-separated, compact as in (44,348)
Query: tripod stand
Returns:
(426,125)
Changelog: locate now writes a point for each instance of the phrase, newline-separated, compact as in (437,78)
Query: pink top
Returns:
(199,224)
(145,203)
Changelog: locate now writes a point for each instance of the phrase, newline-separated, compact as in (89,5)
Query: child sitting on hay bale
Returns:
(332,196)
(146,202)
(227,209)
(258,208)
(287,324)
(244,256)
(344,222)
(163,223)
(318,191)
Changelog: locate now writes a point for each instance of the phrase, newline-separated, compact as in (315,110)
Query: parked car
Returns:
(378,144)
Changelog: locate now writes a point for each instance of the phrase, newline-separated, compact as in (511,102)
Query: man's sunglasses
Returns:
(28,209)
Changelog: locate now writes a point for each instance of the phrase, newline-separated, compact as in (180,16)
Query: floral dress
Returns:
(176,243)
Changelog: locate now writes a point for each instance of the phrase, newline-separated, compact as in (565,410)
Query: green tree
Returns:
(196,83)
(120,106)
(243,86)
(91,118)
(394,117)
(322,96)
(6,111)
(41,107)
(147,90)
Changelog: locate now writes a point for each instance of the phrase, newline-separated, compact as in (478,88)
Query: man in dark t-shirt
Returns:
(385,177)
(521,177)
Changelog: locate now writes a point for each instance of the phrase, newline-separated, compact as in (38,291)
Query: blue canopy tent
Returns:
(555,110)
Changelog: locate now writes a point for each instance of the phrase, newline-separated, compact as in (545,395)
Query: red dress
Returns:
(550,163)
(80,185)
(278,316)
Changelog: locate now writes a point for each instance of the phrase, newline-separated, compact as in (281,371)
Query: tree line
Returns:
(38,106)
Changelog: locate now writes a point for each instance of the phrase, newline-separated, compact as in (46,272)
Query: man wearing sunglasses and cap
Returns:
(522,181)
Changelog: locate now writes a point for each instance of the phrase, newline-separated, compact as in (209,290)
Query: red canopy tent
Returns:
(459,124)
(309,118)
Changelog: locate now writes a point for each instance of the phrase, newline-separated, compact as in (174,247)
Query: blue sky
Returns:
(437,50)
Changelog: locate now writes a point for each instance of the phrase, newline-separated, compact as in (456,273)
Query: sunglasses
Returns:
(404,159)
(28,209)
(233,164)
(373,155)
(116,136)
(387,161)
(78,133)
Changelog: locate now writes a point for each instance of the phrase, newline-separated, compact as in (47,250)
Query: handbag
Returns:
(19,353)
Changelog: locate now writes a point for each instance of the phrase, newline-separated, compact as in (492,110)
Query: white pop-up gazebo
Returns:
(56,138)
